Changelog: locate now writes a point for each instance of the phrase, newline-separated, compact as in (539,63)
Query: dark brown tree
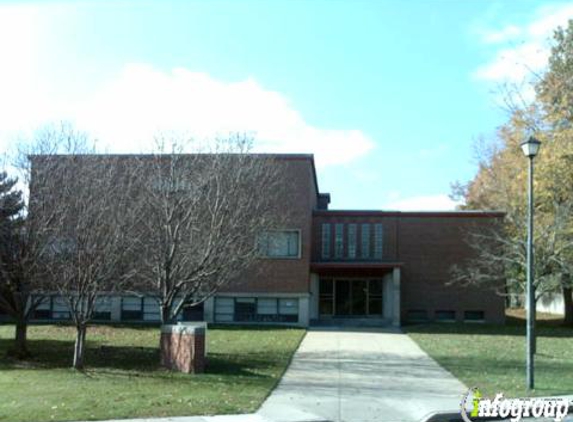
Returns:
(203,215)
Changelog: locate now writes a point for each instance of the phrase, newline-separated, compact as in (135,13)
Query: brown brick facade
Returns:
(297,203)
(424,246)
(429,245)
(410,253)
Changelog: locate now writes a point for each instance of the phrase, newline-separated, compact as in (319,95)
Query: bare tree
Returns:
(89,237)
(203,215)
(500,256)
(13,290)
(22,267)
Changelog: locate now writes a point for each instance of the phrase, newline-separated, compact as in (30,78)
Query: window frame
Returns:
(264,255)
(472,320)
(378,246)
(241,317)
(439,313)
(365,241)
(339,241)
(141,309)
(326,241)
(352,241)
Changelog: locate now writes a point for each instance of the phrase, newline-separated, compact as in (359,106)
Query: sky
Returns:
(389,96)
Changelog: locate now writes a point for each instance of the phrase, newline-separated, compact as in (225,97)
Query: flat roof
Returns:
(417,214)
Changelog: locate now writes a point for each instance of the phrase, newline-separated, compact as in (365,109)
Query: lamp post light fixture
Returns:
(530,149)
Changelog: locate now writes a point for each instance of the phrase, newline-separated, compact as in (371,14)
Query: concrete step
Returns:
(351,322)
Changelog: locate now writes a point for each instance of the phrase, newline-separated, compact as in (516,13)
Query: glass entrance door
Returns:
(343,299)
(359,297)
(350,297)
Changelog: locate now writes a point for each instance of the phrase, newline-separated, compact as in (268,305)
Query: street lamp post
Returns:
(530,149)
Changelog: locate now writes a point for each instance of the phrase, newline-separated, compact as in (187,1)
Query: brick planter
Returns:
(183,347)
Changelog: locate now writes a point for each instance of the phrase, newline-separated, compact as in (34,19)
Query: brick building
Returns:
(366,266)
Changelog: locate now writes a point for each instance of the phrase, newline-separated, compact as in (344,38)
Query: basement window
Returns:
(445,316)
(132,308)
(417,315)
(44,309)
(474,316)
(102,309)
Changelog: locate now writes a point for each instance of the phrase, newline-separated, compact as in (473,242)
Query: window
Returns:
(325,240)
(378,241)
(417,315)
(102,310)
(245,309)
(280,244)
(365,241)
(224,309)
(446,316)
(193,313)
(288,310)
(44,309)
(252,309)
(338,240)
(151,310)
(131,308)
(474,316)
(326,297)
(375,297)
(352,241)
(267,307)
(60,308)
(61,247)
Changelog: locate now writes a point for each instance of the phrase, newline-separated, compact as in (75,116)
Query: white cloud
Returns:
(521,49)
(441,202)
(125,110)
(142,100)
(507,33)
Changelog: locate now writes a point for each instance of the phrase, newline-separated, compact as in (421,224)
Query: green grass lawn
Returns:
(492,358)
(123,378)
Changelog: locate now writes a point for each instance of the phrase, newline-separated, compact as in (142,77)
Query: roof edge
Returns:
(380,213)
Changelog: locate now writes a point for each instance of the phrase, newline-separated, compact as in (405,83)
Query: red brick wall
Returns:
(428,247)
(298,201)
(183,352)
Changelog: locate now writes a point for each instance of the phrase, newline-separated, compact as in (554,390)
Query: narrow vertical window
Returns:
(365,241)
(325,240)
(378,241)
(338,240)
(352,241)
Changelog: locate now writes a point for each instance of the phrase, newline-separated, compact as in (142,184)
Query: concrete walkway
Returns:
(361,376)
(353,376)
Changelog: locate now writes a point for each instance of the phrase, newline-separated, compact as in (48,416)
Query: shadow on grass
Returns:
(513,328)
(238,327)
(550,372)
(133,361)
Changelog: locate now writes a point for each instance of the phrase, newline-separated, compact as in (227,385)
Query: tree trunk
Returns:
(20,339)
(568,305)
(79,347)
(166,315)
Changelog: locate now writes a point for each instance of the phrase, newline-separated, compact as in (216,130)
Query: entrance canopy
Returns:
(357,290)
(353,269)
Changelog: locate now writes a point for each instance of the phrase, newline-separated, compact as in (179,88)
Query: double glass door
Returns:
(350,297)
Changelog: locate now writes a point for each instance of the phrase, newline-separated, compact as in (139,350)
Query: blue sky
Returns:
(388,95)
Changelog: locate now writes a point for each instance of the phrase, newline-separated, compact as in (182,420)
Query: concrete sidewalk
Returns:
(361,376)
(353,376)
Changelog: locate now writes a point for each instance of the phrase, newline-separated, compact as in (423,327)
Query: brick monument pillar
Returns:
(183,347)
